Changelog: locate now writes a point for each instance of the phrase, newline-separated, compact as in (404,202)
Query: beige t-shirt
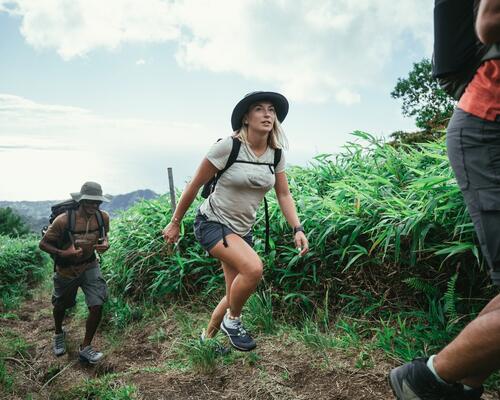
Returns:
(241,188)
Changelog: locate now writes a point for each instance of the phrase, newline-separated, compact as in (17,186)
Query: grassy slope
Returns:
(393,272)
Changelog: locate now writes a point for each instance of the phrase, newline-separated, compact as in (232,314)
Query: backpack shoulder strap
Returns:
(100,224)
(277,157)
(235,150)
(70,224)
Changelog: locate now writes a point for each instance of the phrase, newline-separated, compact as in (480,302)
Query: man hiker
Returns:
(73,239)
(473,142)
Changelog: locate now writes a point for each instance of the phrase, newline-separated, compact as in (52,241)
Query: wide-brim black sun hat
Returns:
(279,102)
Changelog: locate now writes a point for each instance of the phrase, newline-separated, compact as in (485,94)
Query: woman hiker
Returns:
(224,221)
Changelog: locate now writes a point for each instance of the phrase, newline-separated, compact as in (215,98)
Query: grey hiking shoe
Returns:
(59,346)
(415,381)
(219,349)
(88,354)
(239,338)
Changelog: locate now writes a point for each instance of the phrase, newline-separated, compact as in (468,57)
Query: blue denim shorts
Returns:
(209,233)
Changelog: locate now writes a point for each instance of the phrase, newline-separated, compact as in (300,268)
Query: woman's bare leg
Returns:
(220,310)
(248,266)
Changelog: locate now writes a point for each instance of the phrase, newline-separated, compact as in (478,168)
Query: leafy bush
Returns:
(11,223)
(380,220)
(22,265)
(423,98)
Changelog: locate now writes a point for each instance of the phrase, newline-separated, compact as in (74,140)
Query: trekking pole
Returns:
(172,196)
(172,189)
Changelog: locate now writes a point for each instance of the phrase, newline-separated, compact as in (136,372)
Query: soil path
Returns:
(279,369)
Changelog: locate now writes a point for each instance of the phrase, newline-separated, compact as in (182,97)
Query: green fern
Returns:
(450,299)
(421,286)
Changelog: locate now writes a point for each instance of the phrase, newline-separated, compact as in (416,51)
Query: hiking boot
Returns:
(88,354)
(219,349)
(415,381)
(59,345)
(238,336)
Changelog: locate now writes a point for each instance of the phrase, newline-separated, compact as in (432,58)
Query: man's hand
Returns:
(102,247)
(71,252)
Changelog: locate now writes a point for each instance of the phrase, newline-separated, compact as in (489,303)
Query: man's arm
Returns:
(488,21)
(50,248)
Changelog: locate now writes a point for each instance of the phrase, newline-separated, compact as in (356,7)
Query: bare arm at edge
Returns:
(287,205)
(285,199)
(488,21)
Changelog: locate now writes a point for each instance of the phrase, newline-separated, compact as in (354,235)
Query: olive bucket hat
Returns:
(279,102)
(91,191)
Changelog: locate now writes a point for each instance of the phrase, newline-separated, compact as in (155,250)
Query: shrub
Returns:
(383,222)
(22,265)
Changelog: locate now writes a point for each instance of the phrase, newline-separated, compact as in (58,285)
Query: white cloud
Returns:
(140,62)
(347,97)
(26,115)
(69,145)
(74,28)
(309,49)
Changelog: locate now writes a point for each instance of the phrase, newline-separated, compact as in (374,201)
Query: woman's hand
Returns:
(301,243)
(171,232)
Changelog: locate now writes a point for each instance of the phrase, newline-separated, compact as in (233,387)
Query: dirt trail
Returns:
(279,369)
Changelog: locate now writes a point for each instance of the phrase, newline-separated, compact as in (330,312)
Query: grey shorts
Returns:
(209,233)
(474,152)
(92,283)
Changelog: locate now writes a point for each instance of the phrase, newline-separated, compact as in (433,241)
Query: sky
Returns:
(117,91)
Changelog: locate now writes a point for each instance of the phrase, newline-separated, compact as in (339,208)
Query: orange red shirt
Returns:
(482,96)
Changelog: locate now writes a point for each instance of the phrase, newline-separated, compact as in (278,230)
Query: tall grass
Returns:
(391,245)
(378,218)
(22,265)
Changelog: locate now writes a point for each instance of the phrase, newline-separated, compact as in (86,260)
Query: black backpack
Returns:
(70,207)
(458,52)
(209,187)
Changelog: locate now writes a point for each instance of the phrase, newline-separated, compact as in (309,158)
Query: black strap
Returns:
(277,158)
(70,227)
(253,162)
(266,213)
(100,224)
(235,149)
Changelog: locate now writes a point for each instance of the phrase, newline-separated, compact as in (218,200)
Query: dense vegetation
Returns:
(22,265)
(11,223)
(390,240)
(393,266)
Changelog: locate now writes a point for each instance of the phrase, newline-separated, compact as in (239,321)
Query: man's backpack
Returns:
(209,187)
(70,207)
(458,53)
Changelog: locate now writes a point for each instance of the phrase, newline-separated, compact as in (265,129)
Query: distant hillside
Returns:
(36,213)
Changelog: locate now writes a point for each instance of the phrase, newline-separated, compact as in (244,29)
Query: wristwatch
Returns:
(298,228)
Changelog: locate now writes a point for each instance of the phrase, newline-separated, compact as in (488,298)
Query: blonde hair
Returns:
(276,139)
